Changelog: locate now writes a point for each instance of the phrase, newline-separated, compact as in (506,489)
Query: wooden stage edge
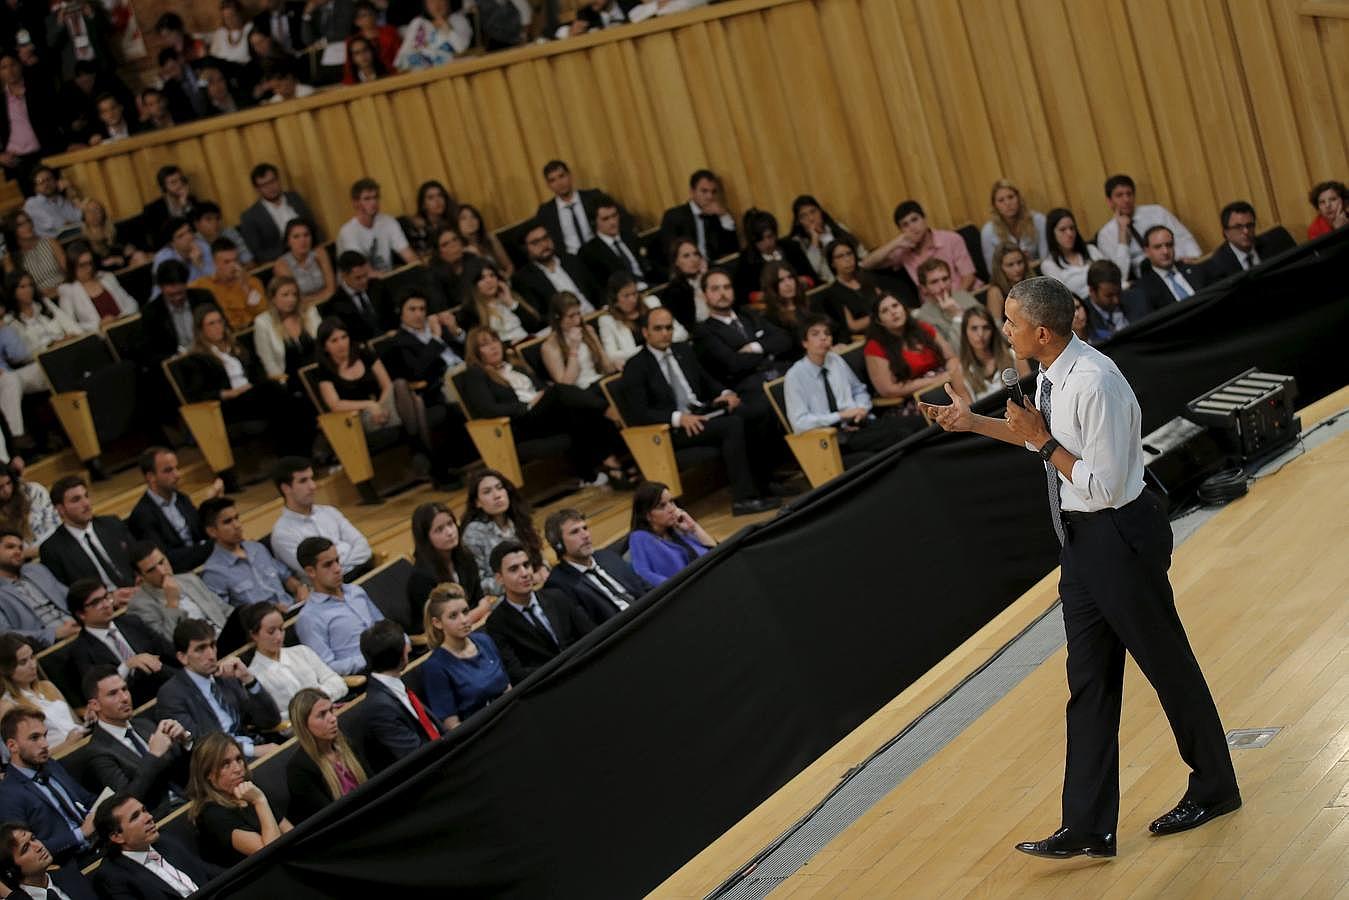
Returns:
(873,858)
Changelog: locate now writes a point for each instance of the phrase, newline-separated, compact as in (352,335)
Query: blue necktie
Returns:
(1177,286)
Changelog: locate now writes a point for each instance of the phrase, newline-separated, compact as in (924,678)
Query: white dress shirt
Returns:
(174,878)
(564,283)
(570,239)
(1094,415)
(1145,217)
(78,534)
(105,637)
(323,521)
(299,667)
(399,690)
(1175,282)
(50,892)
(281,213)
(727,223)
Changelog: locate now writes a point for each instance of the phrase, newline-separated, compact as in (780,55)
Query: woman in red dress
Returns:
(906,357)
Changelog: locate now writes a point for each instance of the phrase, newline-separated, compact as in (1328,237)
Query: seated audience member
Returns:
(179,83)
(331,621)
(394,720)
(852,294)
(433,38)
(215,96)
(209,696)
(1010,267)
(943,303)
(1012,223)
(482,242)
(285,336)
(140,861)
(209,222)
(1129,227)
(530,626)
(572,352)
(91,297)
(1070,255)
(43,258)
(54,205)
(113,125)
(233,817)
(86,546)
(140,655)
(491,386)
(447,264)
(113,245)
(229,42)
(282,77)
(464,672)
(740,349)
(814,230)
(1240,250)
(375,235)
(571,213)
(440,557)
(703,220)
(1105,316)
(239,295)
(594,15)
(548,273)
(40,323)
(1165,280)
(425,348)
(325,21)
(32,867)
(23,684)
(155,112)
(496,512)
(142,756)
(1330,199)
(351,378)
(683,296)
(181,244)
(665,383)
(302,518)
(323,768)
(26,508)
(310,268)
(503,23)
(663,539)
(165,515)
(1080,319)
(435,210)
(175,200)
(32,601)
(821,391)
(906,357)
(39,791)
(20,374)
(917,242)
(263,225)
(614,249)
(762,247)
(620,327)
(22,152)
(240,571)
(360,300)
(169,320)
(285,671)
(599,581)
(165,599)
(384,39)
(784,300)
(984,354)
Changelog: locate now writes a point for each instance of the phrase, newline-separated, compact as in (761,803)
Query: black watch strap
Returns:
(1047,451)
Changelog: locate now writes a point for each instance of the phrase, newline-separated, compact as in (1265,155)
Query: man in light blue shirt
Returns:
(54,205)
(241,571)
(331,622)
(184,245)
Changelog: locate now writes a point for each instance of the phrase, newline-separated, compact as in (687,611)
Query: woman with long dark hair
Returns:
(284,671)
(43,258)
(852,295)
(784,299)
(906,357)
(26,508)
(984,353)
(436,209)
(497,512)
(663,538)
(480,241)
(683,296)
(464,672)
(763,246)
(38,320)
(487,300)
(448,255)
(620,326)
(814,230)
(439,556)
(90,297)
(363,63)
(572,352)
(324,768)
(1070,256)
(23,683)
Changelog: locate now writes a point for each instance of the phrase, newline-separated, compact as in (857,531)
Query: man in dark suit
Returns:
(741,349)
(32,601)
(548,273)
(139,655)
(570,215)
(140,861)
(1164,280)
(283,22)
(167,517)
(43,118)
(263,224)
(393,721)
(599,581)
(87,546)
(167,320)
(175,200)
(33,867)
(616,249)
(1242,250)
(38,791)
(360,301)
(703,220)
(530,627)
(663,383)
(209,695)
(146,758)
(1105,316)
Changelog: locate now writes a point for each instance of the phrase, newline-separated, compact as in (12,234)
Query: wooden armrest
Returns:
(417,385)
(354,681)
(888,401)
(418,640)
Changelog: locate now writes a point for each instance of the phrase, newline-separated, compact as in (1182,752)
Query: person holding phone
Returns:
(664,538)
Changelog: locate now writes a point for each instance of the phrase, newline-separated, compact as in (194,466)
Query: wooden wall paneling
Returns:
(370,134)
(89,179)
(456,127)
(146,162)
(630,160)
(229,163)
(312,159)
(590,131)
(543,135)
(1333,38)
(671,107)
(259,146)
(339,143)
(418,141)
(124,187)
(501,143)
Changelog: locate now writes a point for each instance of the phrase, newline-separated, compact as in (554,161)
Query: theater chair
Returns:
(512,238)
(651,445)
(93,393)
(387,586)
(969,233)
(817,450)
(204,420)
(348,440)
(126,336)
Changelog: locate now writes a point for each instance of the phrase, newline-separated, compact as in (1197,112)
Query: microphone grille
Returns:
(1009,377)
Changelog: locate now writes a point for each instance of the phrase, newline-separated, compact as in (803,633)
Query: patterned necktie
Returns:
(1051,473)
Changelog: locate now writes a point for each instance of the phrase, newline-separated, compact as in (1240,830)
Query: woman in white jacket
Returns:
(618,328)
(90,297)
(284,671)
(284,335)
(1070,256)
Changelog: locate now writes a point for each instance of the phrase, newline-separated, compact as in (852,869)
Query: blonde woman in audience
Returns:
(481,242)
(26,507)
(1070,256)
(23,684)
(620,325)
(39,321)
(43,258)
(984,353)
(1010,266)
(285,671)
(90,297)
(433,38)
(311,268)
(464,672)
(1012,223)
(285,335)
(683,296)
(488,301)
(233,816)
(324,768)
(114,249)
(573,353)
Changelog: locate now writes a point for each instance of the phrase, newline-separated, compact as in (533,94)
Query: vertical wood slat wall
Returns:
(861,102)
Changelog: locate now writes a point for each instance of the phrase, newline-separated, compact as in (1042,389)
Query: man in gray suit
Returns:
(32,601)
(163,599)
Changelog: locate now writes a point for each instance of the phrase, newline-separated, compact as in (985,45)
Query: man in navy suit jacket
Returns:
(600,582)
(166,516)
(142,862)
(392,721)
(86,545)
(39,792)
(33,862)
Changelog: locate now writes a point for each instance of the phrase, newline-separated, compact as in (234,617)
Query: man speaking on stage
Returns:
(1086,426)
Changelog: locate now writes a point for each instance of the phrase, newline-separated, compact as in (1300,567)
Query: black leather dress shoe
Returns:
(756,505)
(1189,814)
(1065,843)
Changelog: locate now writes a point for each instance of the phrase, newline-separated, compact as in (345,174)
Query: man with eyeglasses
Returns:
(263,225)
(1241,251)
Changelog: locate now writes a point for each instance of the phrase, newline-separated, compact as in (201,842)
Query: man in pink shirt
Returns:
(918,242)
(25,121)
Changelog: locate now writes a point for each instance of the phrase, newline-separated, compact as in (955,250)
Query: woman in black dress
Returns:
(851,296)
(233,817)
(439,556)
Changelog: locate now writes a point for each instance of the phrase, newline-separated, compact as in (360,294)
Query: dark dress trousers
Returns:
(149,523)
(69,562)
(524,647)
(582,588)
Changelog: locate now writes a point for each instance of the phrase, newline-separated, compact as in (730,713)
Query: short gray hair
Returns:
(1045,301)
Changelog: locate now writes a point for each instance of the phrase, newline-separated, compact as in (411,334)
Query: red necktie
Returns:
(427,725)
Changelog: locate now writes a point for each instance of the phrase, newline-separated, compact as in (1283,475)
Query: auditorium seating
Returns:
(650,445)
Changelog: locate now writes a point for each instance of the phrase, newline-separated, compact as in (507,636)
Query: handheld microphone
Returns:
(1011,383)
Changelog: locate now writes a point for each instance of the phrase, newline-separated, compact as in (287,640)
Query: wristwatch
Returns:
(1047,451)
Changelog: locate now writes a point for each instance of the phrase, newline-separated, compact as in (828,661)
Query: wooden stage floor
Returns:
(1263,588)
